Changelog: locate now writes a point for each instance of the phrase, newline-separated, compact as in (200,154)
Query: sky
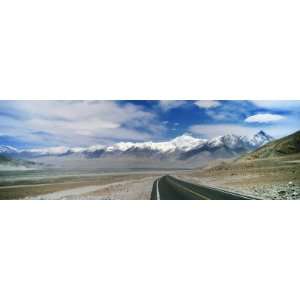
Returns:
(33,124)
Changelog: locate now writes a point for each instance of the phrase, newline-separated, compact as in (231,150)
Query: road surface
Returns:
(170,188)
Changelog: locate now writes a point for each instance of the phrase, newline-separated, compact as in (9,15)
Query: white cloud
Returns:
(166,105)
(211,131)
(264,118)
(207,104)
(277,104)
(222,115)
(76,123)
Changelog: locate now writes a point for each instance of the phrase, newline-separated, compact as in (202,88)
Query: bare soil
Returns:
(126,186)
(276,178)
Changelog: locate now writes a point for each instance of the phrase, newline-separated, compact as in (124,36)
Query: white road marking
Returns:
(157,191)
(214,188)
(233,193)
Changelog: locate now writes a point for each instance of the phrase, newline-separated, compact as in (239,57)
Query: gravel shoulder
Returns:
(264,179)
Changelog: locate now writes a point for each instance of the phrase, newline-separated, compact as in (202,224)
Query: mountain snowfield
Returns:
(8,150)
(185,148)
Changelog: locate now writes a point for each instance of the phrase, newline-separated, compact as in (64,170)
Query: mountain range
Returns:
(184,150)
(288,145)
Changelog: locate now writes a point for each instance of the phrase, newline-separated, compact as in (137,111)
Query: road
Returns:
(170,188)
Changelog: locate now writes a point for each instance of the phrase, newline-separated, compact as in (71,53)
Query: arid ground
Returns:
(119,186)
(275,178)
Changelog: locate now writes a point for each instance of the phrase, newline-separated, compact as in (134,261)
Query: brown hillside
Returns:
(281,147)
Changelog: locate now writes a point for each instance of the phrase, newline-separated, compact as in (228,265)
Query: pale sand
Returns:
(123,190)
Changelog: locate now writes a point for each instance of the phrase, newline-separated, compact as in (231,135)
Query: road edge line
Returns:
(233,193)
(157,190)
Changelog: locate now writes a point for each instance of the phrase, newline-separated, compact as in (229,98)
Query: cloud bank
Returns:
(78,122)
(264,118)
(37,124)
(207,103)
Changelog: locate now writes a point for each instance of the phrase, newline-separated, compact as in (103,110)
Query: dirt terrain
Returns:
(125,186)
(273,178)
(134,189)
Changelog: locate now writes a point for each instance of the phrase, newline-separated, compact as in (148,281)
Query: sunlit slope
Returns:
(4,159)
(288,145)
(7,163)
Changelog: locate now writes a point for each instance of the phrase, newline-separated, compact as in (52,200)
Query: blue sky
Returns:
(27,124)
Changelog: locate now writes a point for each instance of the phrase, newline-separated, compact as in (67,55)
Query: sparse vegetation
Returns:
(285,146)
(270,172)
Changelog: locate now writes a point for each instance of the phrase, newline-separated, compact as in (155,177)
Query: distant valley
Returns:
(11,164)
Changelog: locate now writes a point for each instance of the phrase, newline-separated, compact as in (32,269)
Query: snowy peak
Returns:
(233,141)
(261,138)
(181,143)
(184,144)
(187,142)
(89,149)
(228,140)
(7,149)
(50,151)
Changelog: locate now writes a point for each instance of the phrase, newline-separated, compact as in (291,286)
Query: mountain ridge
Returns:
(183,143)
(184,147)
(284,146)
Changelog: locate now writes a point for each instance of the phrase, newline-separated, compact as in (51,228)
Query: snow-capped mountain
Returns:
(7,150)
(227,146)
(232,141)
(181,143)
(182,148)
(9,163)
(260,139)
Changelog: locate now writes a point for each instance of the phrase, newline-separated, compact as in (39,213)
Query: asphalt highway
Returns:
(171,188)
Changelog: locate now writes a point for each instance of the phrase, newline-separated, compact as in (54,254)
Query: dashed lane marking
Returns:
(197,194)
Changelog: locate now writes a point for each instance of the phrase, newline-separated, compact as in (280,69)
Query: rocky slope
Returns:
(288,145)
(7,163)
(270,172)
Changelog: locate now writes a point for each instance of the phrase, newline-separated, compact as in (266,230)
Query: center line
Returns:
(197,194)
